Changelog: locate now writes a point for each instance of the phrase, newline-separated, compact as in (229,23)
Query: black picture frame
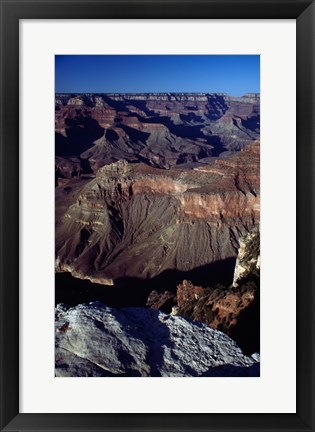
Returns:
(11,12)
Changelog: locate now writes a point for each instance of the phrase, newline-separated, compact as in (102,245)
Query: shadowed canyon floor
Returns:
(135,291)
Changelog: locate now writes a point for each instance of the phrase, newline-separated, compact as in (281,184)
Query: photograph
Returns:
(141,197)
(157,215)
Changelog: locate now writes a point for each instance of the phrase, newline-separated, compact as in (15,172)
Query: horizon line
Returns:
(155,92)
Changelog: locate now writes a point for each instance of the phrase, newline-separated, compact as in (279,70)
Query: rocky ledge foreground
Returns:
(95,340)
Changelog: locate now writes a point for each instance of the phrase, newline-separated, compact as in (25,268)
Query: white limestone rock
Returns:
(248,257)
(77,101)
(95,340)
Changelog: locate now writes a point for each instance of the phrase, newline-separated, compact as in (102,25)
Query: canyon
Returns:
(157,203)
(133,220)
(161,130)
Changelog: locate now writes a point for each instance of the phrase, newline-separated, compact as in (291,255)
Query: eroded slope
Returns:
(133,220)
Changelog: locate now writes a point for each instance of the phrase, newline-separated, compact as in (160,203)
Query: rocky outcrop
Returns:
(93,340)
(162,301)
(223,309)
(67,168)
(231,309)
(248,258)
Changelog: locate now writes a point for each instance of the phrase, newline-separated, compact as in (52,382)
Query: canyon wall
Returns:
(161,130)
(133,220)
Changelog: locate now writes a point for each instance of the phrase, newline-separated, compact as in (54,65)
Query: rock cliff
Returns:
(133,220)
(233,309)
(248,258)
(161,130)
(93,340)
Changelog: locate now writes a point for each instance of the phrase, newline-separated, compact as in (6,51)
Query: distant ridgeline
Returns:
(67,98)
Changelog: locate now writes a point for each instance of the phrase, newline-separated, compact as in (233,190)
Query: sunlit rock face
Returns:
(248,258)
(93,340)
(133,220)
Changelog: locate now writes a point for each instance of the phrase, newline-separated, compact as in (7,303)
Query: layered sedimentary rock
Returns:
(162,130)
(93,340)
(156,193)
(134,220)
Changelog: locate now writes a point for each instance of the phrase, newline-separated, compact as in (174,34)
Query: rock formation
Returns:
(93,340)
(248,258)
(156,196)
(161,130)
(163,301)
(133,220)
(231,309)
(141,178)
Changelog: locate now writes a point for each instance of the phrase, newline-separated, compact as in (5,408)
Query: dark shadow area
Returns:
(191,117)
(58,174)
(168,305)
(132,291)
(81,134)
(189,131)
(216,107)
(216,143)
(85,166)
(121,105)
(111,135)
(96,371)
(242,130)
(252,123)
(229,370)
(142,105)
(182,131)
(84,238)
(117,105)
(87,101)
(153,333)
(213,114)
(134,134)
(187,107)
(247,331)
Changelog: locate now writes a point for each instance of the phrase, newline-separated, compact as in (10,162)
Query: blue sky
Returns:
(232,74)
